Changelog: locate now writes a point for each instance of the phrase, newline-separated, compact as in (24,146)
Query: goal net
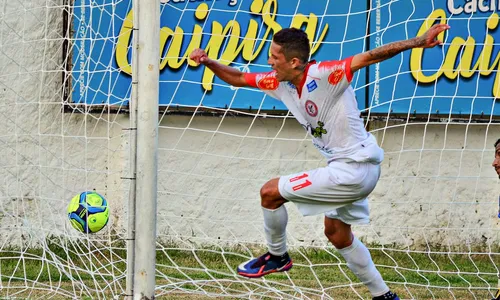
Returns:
(66,85)
(56,144)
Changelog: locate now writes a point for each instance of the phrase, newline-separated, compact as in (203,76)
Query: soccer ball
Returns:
(88,212)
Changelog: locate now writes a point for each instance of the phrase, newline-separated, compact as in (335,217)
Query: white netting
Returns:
(433,232)
(51,151)
(434,226)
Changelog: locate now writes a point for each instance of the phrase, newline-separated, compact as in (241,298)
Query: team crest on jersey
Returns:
(311,108)
(336,76)
(268,83)
(311,86)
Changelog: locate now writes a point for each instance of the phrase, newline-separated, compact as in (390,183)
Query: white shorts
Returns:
(338,190)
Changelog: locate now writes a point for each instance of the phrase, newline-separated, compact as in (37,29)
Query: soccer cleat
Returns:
(264,265)
(497,295)
(387,296)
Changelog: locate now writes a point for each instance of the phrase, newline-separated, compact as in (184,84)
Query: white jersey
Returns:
(325,105)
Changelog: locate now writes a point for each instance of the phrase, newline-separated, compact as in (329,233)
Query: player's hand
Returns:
(433,36)
(199,56)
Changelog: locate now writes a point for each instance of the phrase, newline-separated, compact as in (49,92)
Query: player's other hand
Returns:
(199,56)
(434,36)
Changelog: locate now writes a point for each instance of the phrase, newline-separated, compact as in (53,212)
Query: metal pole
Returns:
(132,164)
(148,29)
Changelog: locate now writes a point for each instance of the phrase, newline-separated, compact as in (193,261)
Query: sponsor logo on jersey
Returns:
(311,86)
(291,87)
(307,127)
(268,83)
(336,76)
(322,148)
(311,108)
(319,131)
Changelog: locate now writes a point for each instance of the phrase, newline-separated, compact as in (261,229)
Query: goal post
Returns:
(147,48)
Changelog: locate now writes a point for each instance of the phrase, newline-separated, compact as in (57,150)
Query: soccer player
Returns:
(496,161)
(320,97)
(496,166)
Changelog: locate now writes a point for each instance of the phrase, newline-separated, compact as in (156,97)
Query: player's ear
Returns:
(296,63)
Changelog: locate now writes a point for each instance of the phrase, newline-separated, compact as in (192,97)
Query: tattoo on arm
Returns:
(389,50)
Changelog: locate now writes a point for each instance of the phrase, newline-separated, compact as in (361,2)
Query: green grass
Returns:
(61,270)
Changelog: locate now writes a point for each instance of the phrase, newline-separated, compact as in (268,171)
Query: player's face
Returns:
(496,161)
(278,62)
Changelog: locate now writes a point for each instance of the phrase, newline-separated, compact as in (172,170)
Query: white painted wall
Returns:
(437,186)
(46,156)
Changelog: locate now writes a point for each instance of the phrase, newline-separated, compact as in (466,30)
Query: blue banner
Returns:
(457,78)
(96,78)
(236,32)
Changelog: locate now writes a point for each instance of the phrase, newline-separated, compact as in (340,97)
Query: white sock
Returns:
(275,221)
(360,262)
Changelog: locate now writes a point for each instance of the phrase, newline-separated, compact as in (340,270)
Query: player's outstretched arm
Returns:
(230,75)
(427,40)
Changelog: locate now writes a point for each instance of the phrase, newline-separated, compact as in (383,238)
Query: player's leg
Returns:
(497,294)
(275,221)
(314,192)
(358,258)
(275,217)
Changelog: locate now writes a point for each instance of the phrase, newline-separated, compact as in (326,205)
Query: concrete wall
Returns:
(47,156)
(437,186)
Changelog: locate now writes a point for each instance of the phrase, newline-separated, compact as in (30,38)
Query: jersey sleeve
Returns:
(338,74)
(265,82)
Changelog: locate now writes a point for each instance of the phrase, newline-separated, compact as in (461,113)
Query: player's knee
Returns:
(330,233)
(266,196)
(338,238)
(270,196)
